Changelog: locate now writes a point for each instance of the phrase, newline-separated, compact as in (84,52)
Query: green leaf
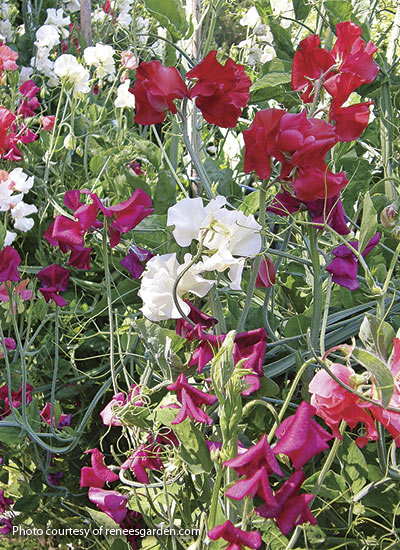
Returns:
(96,164)
(338,11)
(369,223)
(119,544)
(379,370)
(333,488)
(251,203)
(275,72)
(164,193)
(193,449)
(162,345)
(28,503)
(171,15)
(301,9)
(377,336)
(222,365)
(10,436)
(354,465)
(2,235)
(222,176)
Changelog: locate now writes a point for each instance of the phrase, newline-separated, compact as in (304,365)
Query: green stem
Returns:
(109,304)
(255,266)
(167,160)
(317,292)
(214,499)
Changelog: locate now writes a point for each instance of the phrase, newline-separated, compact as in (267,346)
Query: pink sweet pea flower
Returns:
(300,437)
(107,414)
(16,398)
(191,400)
(9,262)
(256,484)
(54,280)
(9,344)
(7,59)
(48,123)
(111,503)
(291,508)
(145,456)
(99,473)
(236,537)
(129,60)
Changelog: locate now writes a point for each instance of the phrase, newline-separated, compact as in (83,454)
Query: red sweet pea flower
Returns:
(191,400)
(9,262)
(256,484)
(99,473)
(350,122)
(300,437)
(291,509)
(155,89)
(266,273)
(236,537)
(221,91)
(54,280)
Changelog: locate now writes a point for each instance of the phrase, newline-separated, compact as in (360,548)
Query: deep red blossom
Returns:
(30,103)
(236,537)
(16,398)
(9,262)
(183,328)
(350,122)
(301,437)
(344,266)
(191,400)
(221,91)
(291,508)
(257,457)
(155,89)
(111,503)
(266,273)
(54,280)
(99,473)
(64,420)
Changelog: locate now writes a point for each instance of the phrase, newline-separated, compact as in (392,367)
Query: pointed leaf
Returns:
(379,370)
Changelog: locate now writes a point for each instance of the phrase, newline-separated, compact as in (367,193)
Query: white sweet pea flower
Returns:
(101,56)
(7,199)
(5,31)
(19,180)
(67,66)
(19,214)
(9,238)
(72,5)
(124,97)
(157,285)
(25,74)
(47,36)
(124,20)
(56,18)
(251,18)
(228,236)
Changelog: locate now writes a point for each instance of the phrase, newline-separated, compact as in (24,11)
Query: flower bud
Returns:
(389,215)
(69,142)
(266,273)
(396,232)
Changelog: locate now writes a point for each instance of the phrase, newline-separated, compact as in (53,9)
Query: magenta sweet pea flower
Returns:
(301,437)
(185,329)
(54,280)
(257,457)
(107,414)
(5,502)
(9,262)
(291,508)
(7,525)
(111,503)
(236,537)
(99,473)
(191,400)
(16,398)
(257,484)
(145,456)
(9,344)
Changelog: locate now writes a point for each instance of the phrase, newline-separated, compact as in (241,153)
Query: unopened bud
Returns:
(396,232)
(69,142)
(356,380)
(389,216)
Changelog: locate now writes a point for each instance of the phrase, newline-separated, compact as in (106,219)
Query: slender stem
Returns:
(109,303)
(214,499)
(255,266)
(167,160)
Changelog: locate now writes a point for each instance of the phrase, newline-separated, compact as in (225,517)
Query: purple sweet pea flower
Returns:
(328,211)
(111,503)
(345,265)
(98,474)
(5,502)
(135,259)
(7,525)
(257,484)
(258,456)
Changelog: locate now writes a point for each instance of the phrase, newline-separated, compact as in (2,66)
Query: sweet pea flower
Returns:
(344,266)
(9,262)
(8,344)
(111,503)
(20,214)
(254,459)
(67,67)
(7,525)
(16,398)
(9,238)
(291,508)
(135,259)
(47,36)
(54,280)
(191,400)
(236,537)
(64,420)
(144,457)
(57,19)
(7,59)
(158,280)
(300,437)
(256,484)
(20,181)
(129,60)
(155,89)
(221,91)
(101,57)
(48,123)
(266,273)
(5,502)
(99,473)
(334,403)
(124,97)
